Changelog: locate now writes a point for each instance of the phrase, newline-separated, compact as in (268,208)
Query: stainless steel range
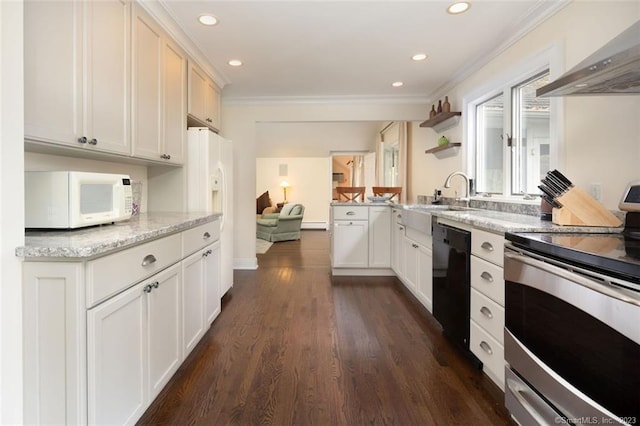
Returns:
(572,326)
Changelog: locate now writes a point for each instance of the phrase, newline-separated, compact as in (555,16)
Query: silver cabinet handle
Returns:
(487,246)
(82,139)
(147,288)
(155,284)
(207,253)
(165,157)
(350,213)
(206,236)
(486,276)
(148,260)
(485,347)
(414,245)
(93,141)
(486,312)
(399,216)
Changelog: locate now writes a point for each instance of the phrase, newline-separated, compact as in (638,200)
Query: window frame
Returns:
(550,59)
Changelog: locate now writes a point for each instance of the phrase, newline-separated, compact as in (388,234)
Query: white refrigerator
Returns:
(210,189)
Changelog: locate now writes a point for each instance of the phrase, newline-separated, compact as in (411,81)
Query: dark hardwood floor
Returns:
(296,346)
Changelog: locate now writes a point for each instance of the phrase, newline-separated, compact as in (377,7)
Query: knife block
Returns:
(579,208)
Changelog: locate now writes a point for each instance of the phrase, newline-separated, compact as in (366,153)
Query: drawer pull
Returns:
(351,213)
(487,246)
(486,312)
(155,284)
(206,236)
(486,276)
(148,260)
(485,347)
(147,288)
(414,245)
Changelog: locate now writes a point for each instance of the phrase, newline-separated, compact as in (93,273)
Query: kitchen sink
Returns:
(419,216)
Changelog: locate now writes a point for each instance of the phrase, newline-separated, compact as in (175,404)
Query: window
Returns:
(510,134)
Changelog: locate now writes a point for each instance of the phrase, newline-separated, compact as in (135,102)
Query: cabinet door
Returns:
(425,277)
(212,285)
(211,104)
(116,358)
(379,237)
(107,75)
(146,86)
(164,331)
(410,264)
(350,244)
(192,305)
(197,90)
(397,251)
(53,71)
(174,101)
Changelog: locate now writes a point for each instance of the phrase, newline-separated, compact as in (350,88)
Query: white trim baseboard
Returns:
(245,263)
(315,225)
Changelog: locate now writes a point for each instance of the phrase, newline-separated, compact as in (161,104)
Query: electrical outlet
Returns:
(595,189)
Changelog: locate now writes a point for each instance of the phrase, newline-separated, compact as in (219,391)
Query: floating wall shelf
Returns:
(442,121)
(447,150)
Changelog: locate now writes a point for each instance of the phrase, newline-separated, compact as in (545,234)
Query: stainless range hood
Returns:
(614,69)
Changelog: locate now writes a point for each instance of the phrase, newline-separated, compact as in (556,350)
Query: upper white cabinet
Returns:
(204,97)
(159,82)
(77,74)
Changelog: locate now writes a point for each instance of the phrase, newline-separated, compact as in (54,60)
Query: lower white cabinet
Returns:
(133,348)
(418,274)
(397,234)
(350,244)
(103,360)
(361,240)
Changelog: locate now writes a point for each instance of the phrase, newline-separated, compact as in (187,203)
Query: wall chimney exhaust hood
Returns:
(614,69)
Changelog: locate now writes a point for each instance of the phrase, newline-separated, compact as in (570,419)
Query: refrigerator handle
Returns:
(223,190)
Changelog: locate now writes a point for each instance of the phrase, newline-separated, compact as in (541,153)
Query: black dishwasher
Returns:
(451,284)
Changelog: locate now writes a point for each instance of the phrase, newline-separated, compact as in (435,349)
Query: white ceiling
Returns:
(351,49)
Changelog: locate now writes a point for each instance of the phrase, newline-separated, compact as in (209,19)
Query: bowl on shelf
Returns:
(378,199)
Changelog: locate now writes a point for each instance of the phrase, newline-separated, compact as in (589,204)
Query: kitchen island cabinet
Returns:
(101,355)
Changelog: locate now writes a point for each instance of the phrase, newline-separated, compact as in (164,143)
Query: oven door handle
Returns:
(527,399)
(600,287)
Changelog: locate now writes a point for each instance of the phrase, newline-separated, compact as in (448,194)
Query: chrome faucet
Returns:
(447,184)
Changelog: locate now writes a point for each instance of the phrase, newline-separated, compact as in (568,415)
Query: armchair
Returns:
(281,226)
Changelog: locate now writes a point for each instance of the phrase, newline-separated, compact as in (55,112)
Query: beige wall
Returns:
(310,180)
(599,135)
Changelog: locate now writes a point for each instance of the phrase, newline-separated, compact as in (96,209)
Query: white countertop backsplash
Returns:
(85,243)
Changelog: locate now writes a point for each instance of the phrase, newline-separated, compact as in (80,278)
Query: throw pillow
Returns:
(262,202)
(286,209)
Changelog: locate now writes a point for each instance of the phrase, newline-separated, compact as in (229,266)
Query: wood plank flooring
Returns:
(296,346)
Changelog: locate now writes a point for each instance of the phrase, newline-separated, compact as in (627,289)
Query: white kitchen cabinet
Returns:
(487,302)
(158,92)
(350,244)
(379,237)
(397,248)
(193,323)
(417,261)
(204,97)
(133,348)
(77,82)
(101,355)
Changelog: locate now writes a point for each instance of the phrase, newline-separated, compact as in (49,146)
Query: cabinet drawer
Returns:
(488,314)
(489,351)
(195,238)
(111,274)
(350,213)
(487,246)
(488,279)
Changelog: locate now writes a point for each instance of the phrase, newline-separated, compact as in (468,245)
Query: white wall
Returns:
(600,134)
(310,180)
(11,210)
(239,124)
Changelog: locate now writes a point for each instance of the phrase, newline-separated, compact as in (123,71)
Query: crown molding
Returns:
(161,13)
(278,100)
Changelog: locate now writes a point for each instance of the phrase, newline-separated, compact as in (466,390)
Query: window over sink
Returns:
(511,134)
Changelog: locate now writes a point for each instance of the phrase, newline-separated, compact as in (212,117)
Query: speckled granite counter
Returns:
(86,243)
(356,203)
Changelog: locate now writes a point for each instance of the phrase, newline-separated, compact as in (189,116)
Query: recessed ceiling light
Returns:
(207,19)
(458,7)
(235,62)
(419,57)
(397,83)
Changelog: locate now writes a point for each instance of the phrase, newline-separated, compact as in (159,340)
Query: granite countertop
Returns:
(508,222)
(364,204)
(85,243)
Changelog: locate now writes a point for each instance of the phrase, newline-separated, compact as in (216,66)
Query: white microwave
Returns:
(68,199)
